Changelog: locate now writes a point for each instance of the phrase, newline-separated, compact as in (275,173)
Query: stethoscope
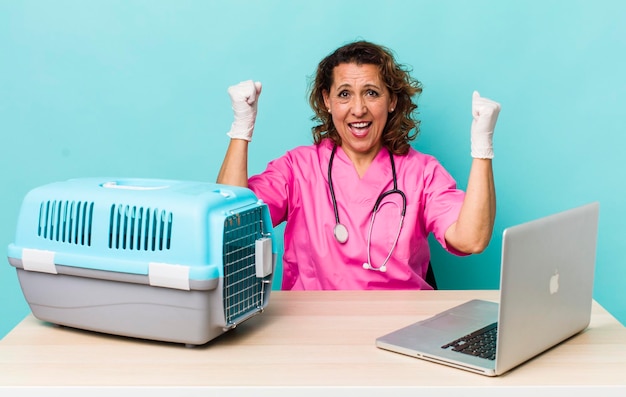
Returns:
(341,232)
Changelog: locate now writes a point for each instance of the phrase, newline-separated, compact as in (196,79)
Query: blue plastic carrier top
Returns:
(176,229)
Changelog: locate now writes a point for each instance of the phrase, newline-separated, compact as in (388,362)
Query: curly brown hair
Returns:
(402,126)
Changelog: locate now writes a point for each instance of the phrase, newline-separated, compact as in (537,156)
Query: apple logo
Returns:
(554,282)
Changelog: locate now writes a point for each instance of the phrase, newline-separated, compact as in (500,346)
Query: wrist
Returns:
(482,145)
(240,130)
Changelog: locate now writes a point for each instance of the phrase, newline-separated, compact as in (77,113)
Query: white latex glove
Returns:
(244,98)
(485,114)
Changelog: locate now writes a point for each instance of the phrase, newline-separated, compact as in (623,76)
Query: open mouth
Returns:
(360,128)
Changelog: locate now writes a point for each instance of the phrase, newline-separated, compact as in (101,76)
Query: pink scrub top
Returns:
(295,188)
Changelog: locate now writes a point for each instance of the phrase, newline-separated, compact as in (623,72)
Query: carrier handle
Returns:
(129,186)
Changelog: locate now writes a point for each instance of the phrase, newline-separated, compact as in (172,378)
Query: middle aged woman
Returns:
(360,202)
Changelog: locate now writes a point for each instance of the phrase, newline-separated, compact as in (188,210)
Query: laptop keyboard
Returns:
(481,343)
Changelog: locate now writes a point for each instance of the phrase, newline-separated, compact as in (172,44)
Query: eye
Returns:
(343,94)
(372,93)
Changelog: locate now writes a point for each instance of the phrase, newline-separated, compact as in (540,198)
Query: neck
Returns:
(362,160)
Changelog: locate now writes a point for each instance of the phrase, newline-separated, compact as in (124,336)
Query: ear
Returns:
(326,99)
(393,103)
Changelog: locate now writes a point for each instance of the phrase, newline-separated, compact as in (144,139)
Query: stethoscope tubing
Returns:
(341,232)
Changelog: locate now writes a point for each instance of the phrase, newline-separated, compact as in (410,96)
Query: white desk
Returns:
(304,339)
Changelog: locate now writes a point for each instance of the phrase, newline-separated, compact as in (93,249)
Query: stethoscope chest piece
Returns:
(341,233)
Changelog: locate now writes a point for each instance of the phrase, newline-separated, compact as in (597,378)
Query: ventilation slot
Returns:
(243,291)
(138,228)
(66,221)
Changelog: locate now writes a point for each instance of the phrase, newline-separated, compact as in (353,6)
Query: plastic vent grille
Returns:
(139,228)
(243,291)
(66,221)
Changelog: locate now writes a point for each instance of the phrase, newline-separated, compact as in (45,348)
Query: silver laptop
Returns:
(546,290)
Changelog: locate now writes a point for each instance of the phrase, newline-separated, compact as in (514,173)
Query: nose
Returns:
(359,107)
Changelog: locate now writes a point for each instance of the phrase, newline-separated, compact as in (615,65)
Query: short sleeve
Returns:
(443,201)
(273,186)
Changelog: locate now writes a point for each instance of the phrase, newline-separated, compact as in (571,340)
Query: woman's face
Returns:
(359,103)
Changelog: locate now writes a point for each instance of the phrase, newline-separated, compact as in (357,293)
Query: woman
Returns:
(360,202)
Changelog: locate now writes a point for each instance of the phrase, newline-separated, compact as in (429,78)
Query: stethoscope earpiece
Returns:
(381,269)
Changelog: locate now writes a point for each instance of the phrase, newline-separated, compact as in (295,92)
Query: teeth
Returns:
(360,125)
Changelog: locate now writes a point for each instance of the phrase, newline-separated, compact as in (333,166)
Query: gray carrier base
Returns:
(125,304)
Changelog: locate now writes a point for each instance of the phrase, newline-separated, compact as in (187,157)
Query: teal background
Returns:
(138,88)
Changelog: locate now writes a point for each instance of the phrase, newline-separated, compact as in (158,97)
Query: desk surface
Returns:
(302,339)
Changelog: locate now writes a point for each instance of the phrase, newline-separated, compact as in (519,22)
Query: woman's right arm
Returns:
(234,170)
(244,99)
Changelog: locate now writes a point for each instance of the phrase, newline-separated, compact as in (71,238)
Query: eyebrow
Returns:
(366,86)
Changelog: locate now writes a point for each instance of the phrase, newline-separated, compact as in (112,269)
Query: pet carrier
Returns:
(174,261)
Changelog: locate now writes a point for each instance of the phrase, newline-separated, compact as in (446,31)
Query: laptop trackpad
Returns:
(453,322)
(471,316)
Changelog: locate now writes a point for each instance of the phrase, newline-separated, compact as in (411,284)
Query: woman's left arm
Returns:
(472,231)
